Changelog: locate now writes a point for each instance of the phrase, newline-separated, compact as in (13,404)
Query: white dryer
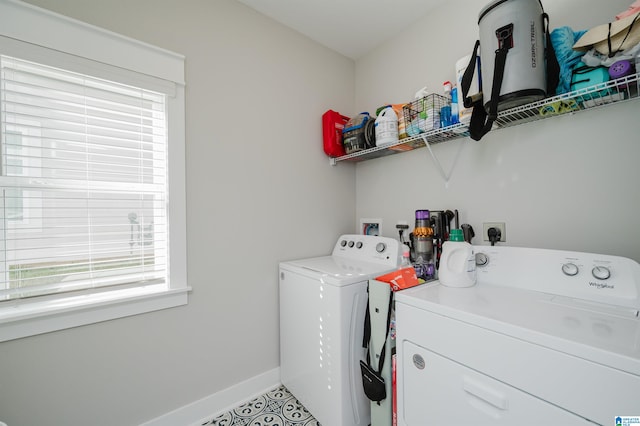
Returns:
(322,307)
(544,338)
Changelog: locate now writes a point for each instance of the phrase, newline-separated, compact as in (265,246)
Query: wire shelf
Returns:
(600,95)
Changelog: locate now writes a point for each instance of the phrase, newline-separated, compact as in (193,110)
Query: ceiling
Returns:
(350,27)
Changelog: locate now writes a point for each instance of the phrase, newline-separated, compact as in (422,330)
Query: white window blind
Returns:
(83,180)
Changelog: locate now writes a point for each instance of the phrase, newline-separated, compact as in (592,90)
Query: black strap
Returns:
(553,67)
(481,122)
(614,53)
(367,332)
(386,336)
(498,76)
(367,326)
(467,77)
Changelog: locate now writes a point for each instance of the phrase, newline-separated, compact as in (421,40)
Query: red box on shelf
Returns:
(332,124)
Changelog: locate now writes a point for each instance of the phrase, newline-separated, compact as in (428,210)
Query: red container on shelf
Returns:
(332,124)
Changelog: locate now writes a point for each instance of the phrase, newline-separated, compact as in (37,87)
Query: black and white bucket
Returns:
(518,26)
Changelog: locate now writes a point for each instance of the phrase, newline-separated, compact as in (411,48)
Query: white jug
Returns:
(386,127)
(457,262)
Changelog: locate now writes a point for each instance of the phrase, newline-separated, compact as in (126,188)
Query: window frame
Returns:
(25,32)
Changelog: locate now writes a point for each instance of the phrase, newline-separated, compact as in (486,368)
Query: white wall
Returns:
(567,183)
(259,190)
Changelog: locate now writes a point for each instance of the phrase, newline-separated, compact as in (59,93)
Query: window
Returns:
(92,155)
(89,155)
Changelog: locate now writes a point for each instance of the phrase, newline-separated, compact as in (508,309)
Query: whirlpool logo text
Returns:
(601,285)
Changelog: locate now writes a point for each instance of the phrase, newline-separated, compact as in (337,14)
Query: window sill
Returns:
(29,318)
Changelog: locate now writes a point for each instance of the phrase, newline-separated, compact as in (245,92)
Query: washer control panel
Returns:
(369,248)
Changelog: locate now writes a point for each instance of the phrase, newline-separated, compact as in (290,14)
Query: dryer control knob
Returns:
(570,269)
(381,247)
(351,243)
(482,259)
(359,244)
(343,243)
(601,272)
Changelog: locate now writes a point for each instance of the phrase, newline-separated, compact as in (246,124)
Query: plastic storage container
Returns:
(332,125)
(353,134)
(584,77)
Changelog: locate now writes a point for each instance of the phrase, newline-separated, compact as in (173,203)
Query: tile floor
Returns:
(275,408)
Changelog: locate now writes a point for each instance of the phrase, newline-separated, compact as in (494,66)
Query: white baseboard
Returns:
(218,403)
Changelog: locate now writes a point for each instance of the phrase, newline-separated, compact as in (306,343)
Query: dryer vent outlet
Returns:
(500,226)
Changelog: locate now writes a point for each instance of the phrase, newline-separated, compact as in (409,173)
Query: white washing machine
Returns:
(322,307)
(544,338)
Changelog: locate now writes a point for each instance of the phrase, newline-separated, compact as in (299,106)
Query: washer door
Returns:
(438,391)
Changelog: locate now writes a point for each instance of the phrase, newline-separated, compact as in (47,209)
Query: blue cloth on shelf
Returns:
(563,39)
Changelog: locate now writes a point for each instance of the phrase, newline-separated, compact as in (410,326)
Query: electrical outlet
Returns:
(497,225)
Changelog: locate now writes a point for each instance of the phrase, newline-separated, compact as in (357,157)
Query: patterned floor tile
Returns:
(275,408)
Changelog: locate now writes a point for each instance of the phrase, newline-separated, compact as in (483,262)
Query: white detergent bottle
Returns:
(386,127)
(457,262)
